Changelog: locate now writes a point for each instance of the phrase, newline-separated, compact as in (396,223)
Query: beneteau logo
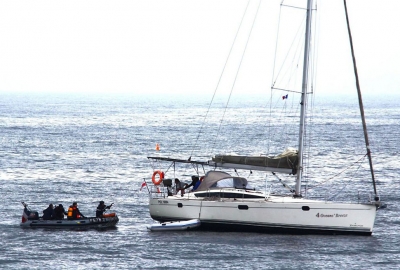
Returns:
(330,216)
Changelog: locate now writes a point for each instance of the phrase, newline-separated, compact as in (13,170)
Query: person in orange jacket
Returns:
(73,212)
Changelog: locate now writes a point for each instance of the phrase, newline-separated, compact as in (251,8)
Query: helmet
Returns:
(101,202)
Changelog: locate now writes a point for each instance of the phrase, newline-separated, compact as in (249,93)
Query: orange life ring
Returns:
(160,175)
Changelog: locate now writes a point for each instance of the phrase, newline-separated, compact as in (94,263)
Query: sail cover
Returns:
(287,160)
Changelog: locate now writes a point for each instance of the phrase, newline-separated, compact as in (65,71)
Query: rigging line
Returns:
(279,115)
(283,183)
(286,90)
(292,48)
(273,74)
(287,55)
(272,78)
(290,91)
(340,191)
(287,109)
(276,47)
(339,173)
(314,63)
(219,80)
(308,134)
(237,72)
(293,7)
(337,193)
(292,72)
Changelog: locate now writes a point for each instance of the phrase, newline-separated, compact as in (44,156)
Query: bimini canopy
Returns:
(212,178)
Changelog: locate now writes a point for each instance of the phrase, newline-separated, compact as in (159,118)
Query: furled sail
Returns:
(285,162)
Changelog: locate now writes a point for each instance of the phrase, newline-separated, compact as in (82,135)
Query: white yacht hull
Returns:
(280,214)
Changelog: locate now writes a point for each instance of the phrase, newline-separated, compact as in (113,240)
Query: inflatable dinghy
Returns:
(175,225)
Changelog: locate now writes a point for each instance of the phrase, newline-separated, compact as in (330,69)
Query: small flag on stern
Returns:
(25,215)
(285,97)
(143,185)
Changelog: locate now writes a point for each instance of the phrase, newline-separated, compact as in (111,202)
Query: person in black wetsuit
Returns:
(48,212)
(59,212)
(101,208)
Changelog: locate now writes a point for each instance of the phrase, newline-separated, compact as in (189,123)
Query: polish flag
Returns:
(143,185)
(25,215)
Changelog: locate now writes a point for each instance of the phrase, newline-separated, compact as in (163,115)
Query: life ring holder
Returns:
(160,177)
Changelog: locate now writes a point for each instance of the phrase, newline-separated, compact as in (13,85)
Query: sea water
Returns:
(59,148)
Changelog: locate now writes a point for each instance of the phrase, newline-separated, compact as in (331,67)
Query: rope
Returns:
(278,74)
(334,196)
(339,172)
(237,72)
(288,53)
(219,80)
(273,76)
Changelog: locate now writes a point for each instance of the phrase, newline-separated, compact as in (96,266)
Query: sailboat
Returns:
(226,202)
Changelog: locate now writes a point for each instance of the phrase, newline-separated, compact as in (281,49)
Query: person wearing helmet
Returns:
(101,208)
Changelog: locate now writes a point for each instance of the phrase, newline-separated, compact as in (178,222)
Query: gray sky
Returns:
(180,46)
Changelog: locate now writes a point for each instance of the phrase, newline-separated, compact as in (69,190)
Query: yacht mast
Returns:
(360,102)
(304,97)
